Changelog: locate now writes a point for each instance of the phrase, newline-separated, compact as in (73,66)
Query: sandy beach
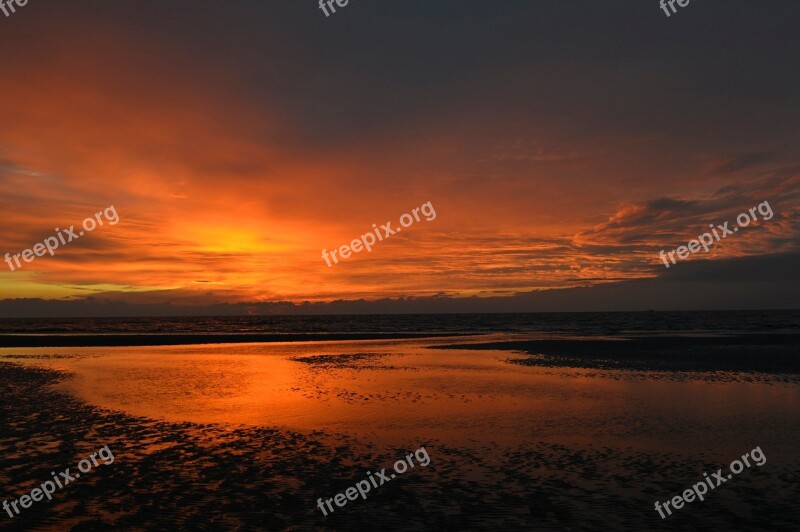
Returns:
(249,436)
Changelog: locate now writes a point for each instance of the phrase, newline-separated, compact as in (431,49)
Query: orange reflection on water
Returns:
(403,392)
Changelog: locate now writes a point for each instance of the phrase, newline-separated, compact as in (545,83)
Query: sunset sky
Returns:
(562,145)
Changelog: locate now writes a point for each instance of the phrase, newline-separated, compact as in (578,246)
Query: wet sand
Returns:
(773,353)
(249,436)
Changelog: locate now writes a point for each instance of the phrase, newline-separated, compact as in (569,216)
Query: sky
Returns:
(562,145)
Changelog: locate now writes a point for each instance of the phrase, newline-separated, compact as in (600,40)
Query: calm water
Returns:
(402,392)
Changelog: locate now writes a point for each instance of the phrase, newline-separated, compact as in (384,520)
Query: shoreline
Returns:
(160,339)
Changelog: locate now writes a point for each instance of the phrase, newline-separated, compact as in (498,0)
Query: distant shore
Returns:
(770,353)
(135,340)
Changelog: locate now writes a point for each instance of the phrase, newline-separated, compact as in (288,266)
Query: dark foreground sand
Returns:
(169,476)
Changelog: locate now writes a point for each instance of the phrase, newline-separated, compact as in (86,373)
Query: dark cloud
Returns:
(666,222)
(743,162)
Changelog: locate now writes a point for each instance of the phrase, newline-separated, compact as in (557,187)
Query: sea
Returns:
(559,324)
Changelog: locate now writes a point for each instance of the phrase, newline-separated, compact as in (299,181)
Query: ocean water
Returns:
(567,324)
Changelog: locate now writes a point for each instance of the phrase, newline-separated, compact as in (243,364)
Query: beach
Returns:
(250,436)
